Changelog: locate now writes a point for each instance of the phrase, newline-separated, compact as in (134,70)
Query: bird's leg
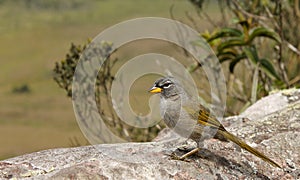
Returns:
(194,151)
(175,157)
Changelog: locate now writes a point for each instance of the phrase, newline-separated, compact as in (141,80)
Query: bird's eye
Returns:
(167,85)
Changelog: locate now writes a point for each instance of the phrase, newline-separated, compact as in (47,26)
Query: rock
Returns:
(272,103)
(275,131)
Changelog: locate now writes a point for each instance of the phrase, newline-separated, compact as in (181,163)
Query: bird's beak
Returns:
(155,89)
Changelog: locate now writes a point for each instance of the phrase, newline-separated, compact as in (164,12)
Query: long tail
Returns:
(245,146)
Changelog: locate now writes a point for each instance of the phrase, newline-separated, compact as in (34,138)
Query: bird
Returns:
(188,118)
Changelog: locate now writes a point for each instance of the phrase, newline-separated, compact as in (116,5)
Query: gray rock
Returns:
(272,103)
(274,129)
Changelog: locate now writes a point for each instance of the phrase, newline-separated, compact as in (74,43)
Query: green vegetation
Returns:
(257,45)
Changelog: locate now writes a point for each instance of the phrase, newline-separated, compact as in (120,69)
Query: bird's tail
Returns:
(245,146)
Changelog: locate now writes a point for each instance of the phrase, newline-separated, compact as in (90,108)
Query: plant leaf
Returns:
(228,54)
(269,68)
(225,32)
(263,32)
(235,61)
(230,43)
(251,53)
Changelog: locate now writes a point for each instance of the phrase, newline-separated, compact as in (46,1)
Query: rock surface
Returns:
(272,125)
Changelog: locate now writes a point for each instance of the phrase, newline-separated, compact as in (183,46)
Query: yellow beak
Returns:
(155,90)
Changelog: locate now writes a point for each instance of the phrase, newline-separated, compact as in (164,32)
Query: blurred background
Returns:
(36,114)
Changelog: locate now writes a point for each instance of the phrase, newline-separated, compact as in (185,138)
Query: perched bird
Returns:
(190,119)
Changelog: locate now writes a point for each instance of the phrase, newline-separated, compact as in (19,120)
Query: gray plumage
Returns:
(187,117)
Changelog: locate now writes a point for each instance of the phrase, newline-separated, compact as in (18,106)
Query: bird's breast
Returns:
(176,118)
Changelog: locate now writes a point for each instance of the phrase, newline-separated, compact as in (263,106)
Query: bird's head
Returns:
(166,86)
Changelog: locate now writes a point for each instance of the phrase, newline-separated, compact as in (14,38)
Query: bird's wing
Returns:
(204,117)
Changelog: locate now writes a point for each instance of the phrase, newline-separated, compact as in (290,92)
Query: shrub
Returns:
(63,76)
